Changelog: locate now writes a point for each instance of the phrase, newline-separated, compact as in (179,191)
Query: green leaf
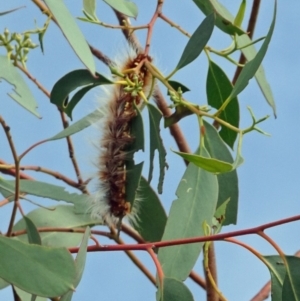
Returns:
(71,81)
(46,279)
(89,7)
(27,297)
(3,284)
(156,143)
(125,7)
(252,66)
(79,263)
(61,217)
(151,219)
(240,15)
(209,164)
(277,270)
(197,42)
(218,88)
(174,290)
(72,33)
(133,174)
(291,284)
(45,190)
(10,11)
(79,125)
(22,94)
(197,199)
(176,85)
(228,182)
(32,232)
(224,19)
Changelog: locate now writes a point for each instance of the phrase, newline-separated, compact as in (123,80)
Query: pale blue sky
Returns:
(269,179)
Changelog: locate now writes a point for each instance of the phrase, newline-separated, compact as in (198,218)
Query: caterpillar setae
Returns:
(110,204)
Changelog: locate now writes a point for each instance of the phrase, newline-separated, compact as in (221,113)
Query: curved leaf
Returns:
(224,19)
(127,8)
(228,182)
(174,290)
(22,94)
(156,143)
(52,270)
(291,284)
(197,41)
(197,199)
(71,81)
(72,32)
(89,8)
(252,66)
(151,218)
(218,88)
(32,232)
(10,11)
(62,217)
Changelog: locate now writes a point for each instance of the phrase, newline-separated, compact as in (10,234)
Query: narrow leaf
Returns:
(10,11)
(240,15)
(228,182)
(197,41)
(174,290)
(278,271)
(291,284)
(71,81)
(45,190)
(22,94)
(89,7)
(252,66)
(208,164)
(32,232)
(151,218)
(127,8)
(79,263)
(72,33)
(218,88)
(46,279)
(79,125)
(197,198)
(224,20)
(176,85)
(61,217)
(156,143)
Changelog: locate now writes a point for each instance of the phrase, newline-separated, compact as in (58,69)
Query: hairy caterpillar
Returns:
(110,203)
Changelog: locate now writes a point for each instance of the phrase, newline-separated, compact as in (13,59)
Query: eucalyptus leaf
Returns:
(127,8)
(89,7)
(174,290)
(176,85)
(32,232)
(228,182)
(197,42)
(80,263)
(3,284)
(62,217)
(277,270)
(156,144)
(45,190)
(197,199)
(79,125)
(71,81)
(224,19)
(22,94)
(72,33)
(10,11)
(218,88)
(238,20)
(46,278)
(291,284)
(151,217)
(252,66)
